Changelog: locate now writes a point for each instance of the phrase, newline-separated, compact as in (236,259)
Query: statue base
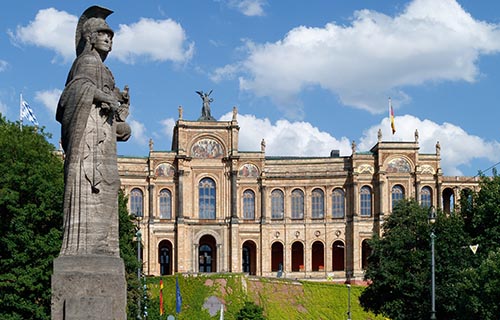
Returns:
(89,287)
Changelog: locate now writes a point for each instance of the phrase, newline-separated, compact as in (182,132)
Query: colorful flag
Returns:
(161,297)
(26,112)
(391,116)
(178,297)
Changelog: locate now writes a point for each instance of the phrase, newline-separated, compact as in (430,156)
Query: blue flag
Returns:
(178,297)
(26,112)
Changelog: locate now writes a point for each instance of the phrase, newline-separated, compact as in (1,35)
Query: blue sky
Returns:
(306,76)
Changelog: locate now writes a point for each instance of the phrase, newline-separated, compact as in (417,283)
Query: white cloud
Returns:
(51,29)
(49,98)
(284,138)
(3,65)
(249,7)
(168,128)
(157,40)
(372,58)
(138,132)
(458,148)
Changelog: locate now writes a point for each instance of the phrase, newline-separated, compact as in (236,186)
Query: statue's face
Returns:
(103,41)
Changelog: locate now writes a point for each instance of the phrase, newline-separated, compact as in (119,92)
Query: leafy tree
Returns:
(250,311)
(31,200)
(481,284)
(31,191)
(128,252)
(399,267)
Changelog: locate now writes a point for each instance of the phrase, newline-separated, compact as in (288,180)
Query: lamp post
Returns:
(139,267)
(432,220)
(348,280)
(348,301)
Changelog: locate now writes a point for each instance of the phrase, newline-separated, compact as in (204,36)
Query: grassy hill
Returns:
(280,298)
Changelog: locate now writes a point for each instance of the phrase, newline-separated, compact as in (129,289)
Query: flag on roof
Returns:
(26,112)
(391,117)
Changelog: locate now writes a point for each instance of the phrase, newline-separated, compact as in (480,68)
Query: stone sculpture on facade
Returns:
(205,111)
(92,113)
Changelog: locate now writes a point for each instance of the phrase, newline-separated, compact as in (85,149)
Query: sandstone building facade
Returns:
(207,206)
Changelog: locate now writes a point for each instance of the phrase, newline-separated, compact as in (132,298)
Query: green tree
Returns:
(399,267)
(31,191)
(481,283)
(250,311)
(128,252)
(31,200)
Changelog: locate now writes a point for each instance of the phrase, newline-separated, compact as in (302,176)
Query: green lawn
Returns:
(281,299)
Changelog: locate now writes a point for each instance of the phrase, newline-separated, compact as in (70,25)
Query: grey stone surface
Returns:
(92,113)
(89,287)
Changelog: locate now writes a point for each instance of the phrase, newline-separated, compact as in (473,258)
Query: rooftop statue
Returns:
(205,111)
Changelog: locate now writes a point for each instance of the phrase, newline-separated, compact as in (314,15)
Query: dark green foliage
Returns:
(31,192)
(31,200)
(128,252)
(481,283)
(250,311)
(399,267)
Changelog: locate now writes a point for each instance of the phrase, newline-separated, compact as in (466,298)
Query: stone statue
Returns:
(235,113)
(379,135)
(263,145)
(89,273)
(205,111)
(416,135)
(92,112)
(353,146)
(180,112)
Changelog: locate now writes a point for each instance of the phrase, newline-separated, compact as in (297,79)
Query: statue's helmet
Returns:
(91,20)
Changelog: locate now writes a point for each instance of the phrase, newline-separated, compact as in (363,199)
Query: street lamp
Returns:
(139,267)
(348,301)
(348,280)
(432,220)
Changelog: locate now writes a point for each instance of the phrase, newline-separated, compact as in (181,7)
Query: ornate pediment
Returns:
(164,170)
(366,168)
(398,165)
(207,148)
(248,170)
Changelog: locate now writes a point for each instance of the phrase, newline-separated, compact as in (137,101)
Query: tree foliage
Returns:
(399,267)
(128,252)
(31,211)
(467,284)
(250,311)
(31,191)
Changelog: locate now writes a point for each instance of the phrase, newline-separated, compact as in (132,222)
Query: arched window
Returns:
(277,204)
(318,204)
(137,202)
(397,194)
(297,204)
(165,204)
(338,203)
(206,190)
(298,256)
(366,201)
(277,256)
(426,197)
(248,205)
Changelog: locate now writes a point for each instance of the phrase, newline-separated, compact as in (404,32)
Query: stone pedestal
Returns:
(89,287)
